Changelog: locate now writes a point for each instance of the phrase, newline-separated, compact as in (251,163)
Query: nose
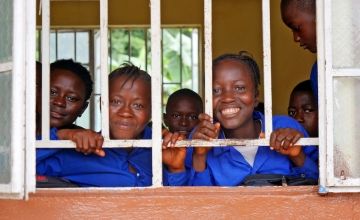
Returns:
(59,101)
(299,116)
(296,37)
(184,121)
(227,96)
(125,111)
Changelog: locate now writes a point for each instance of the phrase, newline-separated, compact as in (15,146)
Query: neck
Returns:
(251,130)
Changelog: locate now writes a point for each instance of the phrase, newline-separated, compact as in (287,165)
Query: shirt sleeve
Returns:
(176,179)
(43,153)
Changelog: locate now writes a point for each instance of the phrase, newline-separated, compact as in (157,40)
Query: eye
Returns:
(175,115)
(308,110)
(291,112)
(53,92)
(216,91)
(72,99)
(193,117)
(240,88)
(138,106)
(115,102)
(295,28)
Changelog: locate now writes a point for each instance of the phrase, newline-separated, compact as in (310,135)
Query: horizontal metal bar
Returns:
(5,67)
(107,144)
(343,189)
(184,143)
(346,72)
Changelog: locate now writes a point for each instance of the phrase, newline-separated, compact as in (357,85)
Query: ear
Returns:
(86,104)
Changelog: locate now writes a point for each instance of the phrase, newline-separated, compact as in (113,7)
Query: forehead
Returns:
(302,96)
(121,83)
(65,74)
(231,70)
(184,103)
(293,11)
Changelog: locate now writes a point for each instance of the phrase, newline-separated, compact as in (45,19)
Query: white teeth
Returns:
(229,111)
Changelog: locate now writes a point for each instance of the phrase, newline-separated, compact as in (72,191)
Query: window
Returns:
(180,65)
(339,47)
(338,82)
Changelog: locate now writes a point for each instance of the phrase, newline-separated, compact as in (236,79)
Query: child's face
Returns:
(234,94)
(182,115)
(129,107)
(67,98)
(303,108)
(303,26)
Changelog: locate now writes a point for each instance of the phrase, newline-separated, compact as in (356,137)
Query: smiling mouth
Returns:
(56,115)
(230,111)
(123,125)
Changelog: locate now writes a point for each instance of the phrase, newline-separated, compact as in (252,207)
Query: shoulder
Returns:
(282,121)
(147,133)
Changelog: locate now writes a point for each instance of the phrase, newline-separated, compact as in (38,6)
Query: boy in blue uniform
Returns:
(300,17)
(235,95)
(182,111)
(303,107)
(129,113)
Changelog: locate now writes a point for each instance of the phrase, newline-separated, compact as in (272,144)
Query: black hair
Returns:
(188,93)
(132,72)
(302,5)
(77,69)
(304,86)
(244,58)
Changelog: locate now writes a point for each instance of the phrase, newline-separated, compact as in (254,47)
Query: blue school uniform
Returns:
(227,167)
(92,170)
(314,80)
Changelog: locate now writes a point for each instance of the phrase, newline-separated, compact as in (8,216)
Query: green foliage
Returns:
(177,57)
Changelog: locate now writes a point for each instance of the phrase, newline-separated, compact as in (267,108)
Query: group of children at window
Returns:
(236,79)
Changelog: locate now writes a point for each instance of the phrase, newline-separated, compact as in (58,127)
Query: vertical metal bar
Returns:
(181,59)
(30,96)
(92,71)
(320,23)
(327,101)
(129,44)
(45,36)
(156,92)
(146,49)
(18,99)
(104,68)
(208,56)
(267,66)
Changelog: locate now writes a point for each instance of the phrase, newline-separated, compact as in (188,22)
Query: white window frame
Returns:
(327,73)
(22,51)
(20,62)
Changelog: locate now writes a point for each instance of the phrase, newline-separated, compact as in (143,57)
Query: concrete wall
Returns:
(186,203)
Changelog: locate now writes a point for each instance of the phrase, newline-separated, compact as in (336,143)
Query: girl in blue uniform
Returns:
(235,95)
(129,114)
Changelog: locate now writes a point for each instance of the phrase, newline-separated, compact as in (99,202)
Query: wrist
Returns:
(199,162)
(299,159)
(176,169)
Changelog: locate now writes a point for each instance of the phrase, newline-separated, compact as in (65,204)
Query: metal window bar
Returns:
(156,141)
(104,69)
(320,33)
(267,66)
(328,181)
(45,59)
(156,80)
